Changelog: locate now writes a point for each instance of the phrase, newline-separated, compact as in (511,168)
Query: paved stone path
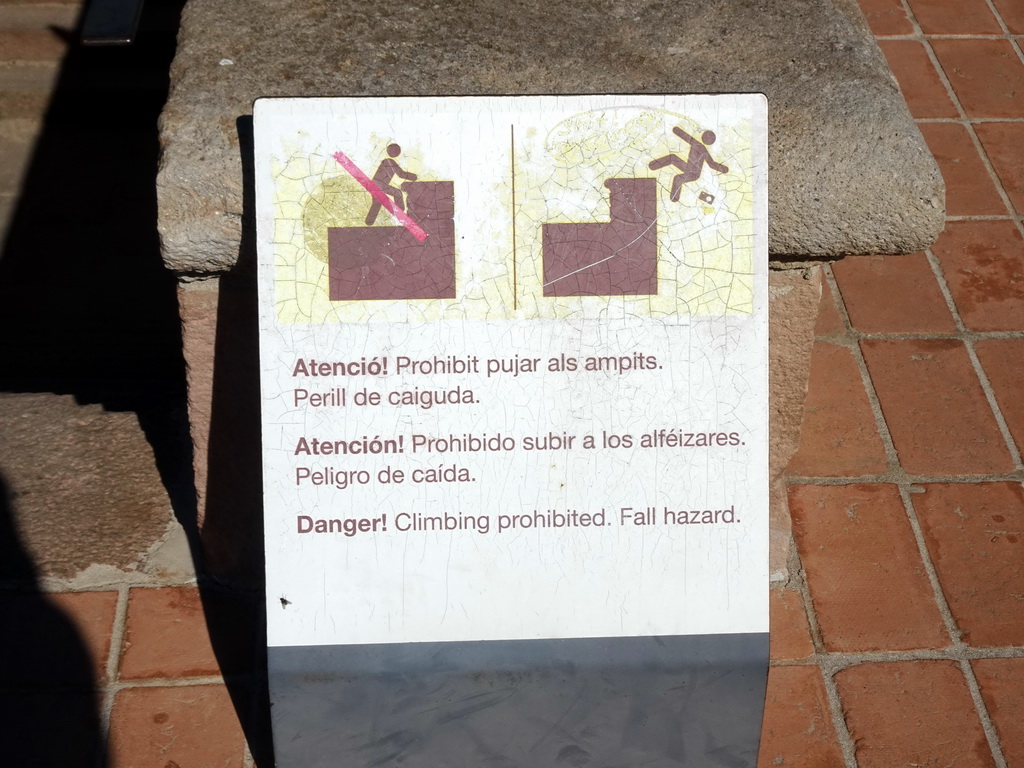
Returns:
(899,639)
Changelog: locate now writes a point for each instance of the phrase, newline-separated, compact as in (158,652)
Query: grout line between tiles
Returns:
(813,628)
(965,335)
(980,149)
(846,742)
(986,719)
(948,36)
(118,635)
(958,646)
(892,457)
(821,658)
(979,371)
(109,686)
(839,660)
(945,80)
(1015,45)
(982,218)
(1006,30)
(842,731)
(892,479)
(997,412)
(177,682)
(969,126)
(975,120)
(911,17)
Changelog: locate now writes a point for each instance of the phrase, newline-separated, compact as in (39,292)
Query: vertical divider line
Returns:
(515,259)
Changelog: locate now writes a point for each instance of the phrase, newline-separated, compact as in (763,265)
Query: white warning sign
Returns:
(514,367)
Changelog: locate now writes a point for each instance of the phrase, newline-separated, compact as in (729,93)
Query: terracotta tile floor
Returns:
(899,638)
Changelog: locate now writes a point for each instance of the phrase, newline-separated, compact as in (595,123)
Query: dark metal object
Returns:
(656,702)
(111,22)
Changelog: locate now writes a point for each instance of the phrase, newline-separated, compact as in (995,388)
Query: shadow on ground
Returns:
(88,310)
(49,700)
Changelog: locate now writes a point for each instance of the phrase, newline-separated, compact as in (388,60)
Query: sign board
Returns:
(514,368)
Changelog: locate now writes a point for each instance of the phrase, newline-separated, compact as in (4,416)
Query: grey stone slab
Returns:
(41,16)
(849,171)
(17,143)
(8,203)
(34,76)
(83,487)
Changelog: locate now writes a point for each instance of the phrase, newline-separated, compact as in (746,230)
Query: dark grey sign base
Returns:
(602,703)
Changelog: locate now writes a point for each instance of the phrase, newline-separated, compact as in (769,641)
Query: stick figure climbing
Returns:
(694,165)
(413,261)
(386,171)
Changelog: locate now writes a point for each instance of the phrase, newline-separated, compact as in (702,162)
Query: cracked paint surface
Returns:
(516,170)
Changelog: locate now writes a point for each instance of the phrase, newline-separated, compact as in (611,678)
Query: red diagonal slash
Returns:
(378,194)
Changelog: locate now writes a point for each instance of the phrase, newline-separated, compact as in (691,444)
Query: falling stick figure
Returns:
(694,165)
(386,171)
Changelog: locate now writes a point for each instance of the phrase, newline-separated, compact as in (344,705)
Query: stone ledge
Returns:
(848,170)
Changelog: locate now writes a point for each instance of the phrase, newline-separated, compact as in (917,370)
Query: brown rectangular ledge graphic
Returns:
(389,262)
(614,258)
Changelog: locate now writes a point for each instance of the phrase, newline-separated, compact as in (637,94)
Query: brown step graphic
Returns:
(368,263)
(614,258)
